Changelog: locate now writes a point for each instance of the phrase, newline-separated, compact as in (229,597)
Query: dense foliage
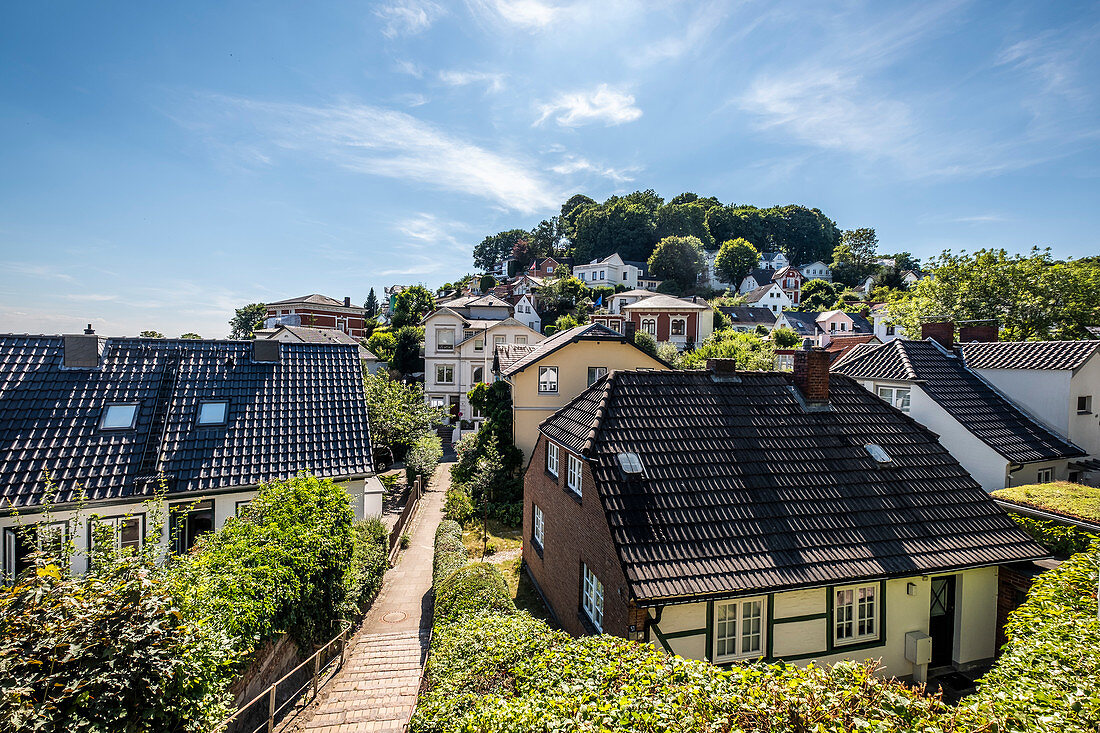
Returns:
(1060,539)
(411,305)
(247,319)
(749,350)
(370,544)
(450,554)
(398,413)
(423,457)
(472,589)
(735,260)
(679,259)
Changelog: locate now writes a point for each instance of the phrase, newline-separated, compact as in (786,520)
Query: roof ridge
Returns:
(600,413)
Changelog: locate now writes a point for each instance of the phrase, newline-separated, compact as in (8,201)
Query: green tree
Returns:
(246,320)
(487,283)
(571,211)
(151,335)
(819,295)
(684,220)
(496,248)
(382,343)
(804,235)
(854,258)
(736,259)
(679,259)
(545,237)
(646,343)
(523,252)
(371,306)
(626,228)
(905,261)
(749,350)
(190,335)
(411,305)
(398,412)
(407,342)
(785,337)
(561,295)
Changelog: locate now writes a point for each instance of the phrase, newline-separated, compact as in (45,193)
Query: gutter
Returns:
(1033,513)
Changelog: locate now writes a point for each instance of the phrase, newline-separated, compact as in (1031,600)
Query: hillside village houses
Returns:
(545,376)
(769,296)
(996,440)
(655,510)
(613,270)
(822,327)
(102,419)
(317,311)
(459,339)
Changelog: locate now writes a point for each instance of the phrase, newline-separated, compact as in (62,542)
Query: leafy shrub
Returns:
(507,513)
(450,553)
(646,342)
(423,457)
(1048,678)
(458,505)
(405,541)
(106,651)
(283,566)
(472,590)
(512,673)
(369,559)
(1060,539)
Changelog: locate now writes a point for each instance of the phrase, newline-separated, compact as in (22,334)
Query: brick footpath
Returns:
(376,689)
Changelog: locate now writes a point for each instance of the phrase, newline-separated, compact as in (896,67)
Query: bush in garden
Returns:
(450,553)
(107,651)
(282,566)
(1061,540)
(472,590)
(458,505)
(423,457)
(369,560)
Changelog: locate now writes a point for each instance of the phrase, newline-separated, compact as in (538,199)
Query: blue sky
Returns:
(163,163)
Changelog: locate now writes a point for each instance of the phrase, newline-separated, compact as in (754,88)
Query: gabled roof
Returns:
(757,294)
(964,395)
(741,314)
(780,272)
(314,299)
(505,355)
(308,335)
(635,293)
(744,491)
(1028,354)
(666,302)
(478,301)
(763,276)
(306,412)
(513,361)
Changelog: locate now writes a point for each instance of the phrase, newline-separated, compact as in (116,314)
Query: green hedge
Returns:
(472,590)
(369,560)
(450,553)
(1062,540)
(1048,678)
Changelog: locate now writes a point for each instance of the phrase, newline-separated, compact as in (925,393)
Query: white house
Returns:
(459,339)
(773,261)
(995,440)
(756,279)
(885,330)
(769,296)
(611,270)
(1057,382)
(526,314)
(816,271)
(912,277)
(616,302)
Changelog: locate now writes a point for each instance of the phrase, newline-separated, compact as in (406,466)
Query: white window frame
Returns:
(499,340)
(521,340)
(574,474)
(476,378)
(538,526)
(899,397)
(134,407)
(1044,476)
(852,613)
(439,367)
(10,541)
(592,597)
(682,322)
(440,345)
(651,328)
(547,387)
(479,344)
(116,523)
(202,418)
(552,458)
(732,616)
(594,374)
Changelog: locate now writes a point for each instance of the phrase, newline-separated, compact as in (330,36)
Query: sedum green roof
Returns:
(1061,497)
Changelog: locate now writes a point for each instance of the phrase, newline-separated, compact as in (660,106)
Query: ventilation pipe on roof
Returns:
(81,350)
(811,372)
(942,332)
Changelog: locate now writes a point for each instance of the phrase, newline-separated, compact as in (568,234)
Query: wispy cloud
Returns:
(384,142)
(602,104)
(407,17)
(573,164)
(527,14)
(35,270)
(494,82)
(692,36)
(404,66)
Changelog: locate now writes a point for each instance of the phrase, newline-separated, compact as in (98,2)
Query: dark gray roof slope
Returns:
(741,315)
(1028,354)
(587,332)
(305,413)
(968,398)
(745,491)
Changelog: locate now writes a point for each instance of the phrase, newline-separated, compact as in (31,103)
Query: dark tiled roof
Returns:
(1094,330)
(310,335)
(305,413)
(763,276)
(965,396)
(746,491)
(586,332)
(1028,354)
(757,294)
(741,315)
(505,355)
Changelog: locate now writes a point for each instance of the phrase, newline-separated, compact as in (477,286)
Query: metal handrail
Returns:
(270,692)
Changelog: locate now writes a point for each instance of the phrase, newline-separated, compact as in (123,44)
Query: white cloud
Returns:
(407,17)
(527,14)
(383,142)
(405,66)
(693,36)
(602,104)
(493,82)
(413,99)
(31,269)
(573,164)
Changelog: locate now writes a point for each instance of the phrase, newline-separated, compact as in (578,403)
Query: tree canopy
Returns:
(371,306)
(679,259)
(684,220)
(190,335)
(246,320)
(628,228)
(736,259)
(398,413)
(819,295)
(411,305)
(495,248)
(151,335)
(747,349)
(406,350)
(854,259)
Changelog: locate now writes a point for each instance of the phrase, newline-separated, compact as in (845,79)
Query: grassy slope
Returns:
(1075,500)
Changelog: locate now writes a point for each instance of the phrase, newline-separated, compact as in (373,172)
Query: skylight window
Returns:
(878,452)
(630,463)
(119,417)
(213,412)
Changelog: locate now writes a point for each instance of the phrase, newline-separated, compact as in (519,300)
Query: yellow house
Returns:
(546,376)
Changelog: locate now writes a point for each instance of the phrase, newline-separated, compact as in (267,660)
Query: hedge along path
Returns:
(376,689)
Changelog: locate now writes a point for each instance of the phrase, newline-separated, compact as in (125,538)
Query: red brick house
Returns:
(317,311)
(655,509)
(681,321)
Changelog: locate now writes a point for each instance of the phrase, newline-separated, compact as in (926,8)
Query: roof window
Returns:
(631,464)
(213,412)
(119,417)
(878,453)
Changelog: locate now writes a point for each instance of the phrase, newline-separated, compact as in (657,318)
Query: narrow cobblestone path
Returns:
(376,689)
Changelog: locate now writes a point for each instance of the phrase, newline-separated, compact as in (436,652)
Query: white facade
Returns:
(797,628)
(526,314)
(608,271)
(883,329)
(774,299)
(616,302)
(751,282)
(816,271)
(988,467)
(773,261)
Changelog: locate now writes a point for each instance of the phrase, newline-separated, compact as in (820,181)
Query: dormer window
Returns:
(213,412)
(119,417)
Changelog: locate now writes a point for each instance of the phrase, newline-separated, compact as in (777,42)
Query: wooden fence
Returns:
(416,491)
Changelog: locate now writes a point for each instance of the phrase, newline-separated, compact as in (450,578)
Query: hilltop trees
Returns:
(855,257)
(684,220)
(246,320)
(736,259)
(679,259)
(411,305)
(495,248)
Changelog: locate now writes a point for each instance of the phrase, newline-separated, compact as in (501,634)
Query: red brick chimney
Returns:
(943,332)
(985,334)
(347,301)
(811,373)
